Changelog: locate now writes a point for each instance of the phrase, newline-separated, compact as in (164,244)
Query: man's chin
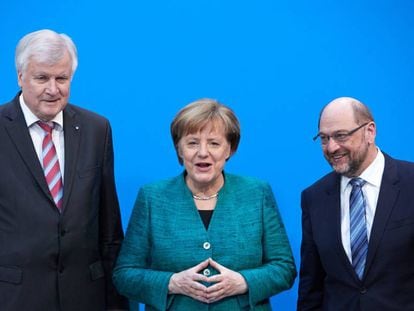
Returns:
(340,169)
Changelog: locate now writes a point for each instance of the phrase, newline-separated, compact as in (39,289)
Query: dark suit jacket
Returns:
(52,261)
(327,279)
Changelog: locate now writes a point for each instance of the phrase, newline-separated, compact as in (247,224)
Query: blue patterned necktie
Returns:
(358,228)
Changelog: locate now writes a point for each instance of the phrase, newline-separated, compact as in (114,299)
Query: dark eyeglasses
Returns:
(339,137)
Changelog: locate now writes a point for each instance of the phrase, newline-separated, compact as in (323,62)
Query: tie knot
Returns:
(357,182)
(46,127)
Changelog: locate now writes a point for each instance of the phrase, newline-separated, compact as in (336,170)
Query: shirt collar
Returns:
(30,117)
(372,174)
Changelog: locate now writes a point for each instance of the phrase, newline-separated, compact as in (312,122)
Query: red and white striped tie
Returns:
(51,166)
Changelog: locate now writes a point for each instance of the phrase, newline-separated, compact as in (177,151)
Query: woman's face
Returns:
(204,155)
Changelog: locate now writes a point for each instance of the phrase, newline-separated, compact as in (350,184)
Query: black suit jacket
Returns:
(327,279)
(48,260)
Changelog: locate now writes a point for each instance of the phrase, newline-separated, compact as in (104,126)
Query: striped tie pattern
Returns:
(358,228)
(51,166)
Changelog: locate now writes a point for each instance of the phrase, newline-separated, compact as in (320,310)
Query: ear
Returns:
(371,132)
(20,78)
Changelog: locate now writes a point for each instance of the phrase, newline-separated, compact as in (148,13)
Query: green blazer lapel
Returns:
(188,206)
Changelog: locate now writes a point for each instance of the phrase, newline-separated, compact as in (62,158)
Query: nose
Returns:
(52,87)
(203,150)
(331,146)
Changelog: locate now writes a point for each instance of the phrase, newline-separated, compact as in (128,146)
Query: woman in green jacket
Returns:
(205,240)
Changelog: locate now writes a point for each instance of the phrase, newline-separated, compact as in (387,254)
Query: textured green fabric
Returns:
(166,235)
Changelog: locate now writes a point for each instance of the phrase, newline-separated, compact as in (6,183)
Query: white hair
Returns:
(45,46)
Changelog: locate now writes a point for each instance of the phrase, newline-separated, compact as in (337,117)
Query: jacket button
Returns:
(363,290)
(63,232)
(206,272)
(206,245)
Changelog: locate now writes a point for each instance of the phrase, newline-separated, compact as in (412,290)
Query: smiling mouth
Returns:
(338,157)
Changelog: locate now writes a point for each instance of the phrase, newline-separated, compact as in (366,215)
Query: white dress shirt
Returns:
(373,176)
(37,134)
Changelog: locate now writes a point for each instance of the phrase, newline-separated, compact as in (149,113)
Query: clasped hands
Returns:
(226,283)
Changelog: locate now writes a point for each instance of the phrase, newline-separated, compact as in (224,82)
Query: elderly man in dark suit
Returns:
(358,221)
(60,227)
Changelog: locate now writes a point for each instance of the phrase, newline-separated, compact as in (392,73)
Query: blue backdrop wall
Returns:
(276,63)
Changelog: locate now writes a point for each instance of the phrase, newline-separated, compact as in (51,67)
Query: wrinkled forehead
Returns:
(51,57)
(47,65)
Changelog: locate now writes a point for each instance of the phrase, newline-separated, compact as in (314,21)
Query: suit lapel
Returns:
(333,211)
(20,136)
(386,200)
(72,131)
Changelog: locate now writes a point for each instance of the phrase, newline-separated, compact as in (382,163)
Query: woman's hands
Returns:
(226,283)
(187,282)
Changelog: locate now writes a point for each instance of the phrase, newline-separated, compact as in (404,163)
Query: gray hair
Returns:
(44,46)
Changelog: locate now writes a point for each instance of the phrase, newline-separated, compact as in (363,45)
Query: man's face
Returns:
(351,157)
(45,87)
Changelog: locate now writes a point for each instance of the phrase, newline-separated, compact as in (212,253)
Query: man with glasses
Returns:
(357,248)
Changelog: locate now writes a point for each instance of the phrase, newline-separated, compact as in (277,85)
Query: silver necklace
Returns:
(205,198)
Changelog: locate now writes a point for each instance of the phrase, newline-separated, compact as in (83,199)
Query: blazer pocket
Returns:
(400,223)
(89,171)
(97,270)
(12,275)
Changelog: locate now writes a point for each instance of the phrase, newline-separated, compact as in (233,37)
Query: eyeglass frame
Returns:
(335,136)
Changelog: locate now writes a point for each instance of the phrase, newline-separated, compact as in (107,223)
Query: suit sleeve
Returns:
(132,275)
(312,274)
(110,232)
(278,271)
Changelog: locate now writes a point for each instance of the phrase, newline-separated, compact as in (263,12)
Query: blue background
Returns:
(276,63)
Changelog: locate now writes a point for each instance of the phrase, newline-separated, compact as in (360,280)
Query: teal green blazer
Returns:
(166,235)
